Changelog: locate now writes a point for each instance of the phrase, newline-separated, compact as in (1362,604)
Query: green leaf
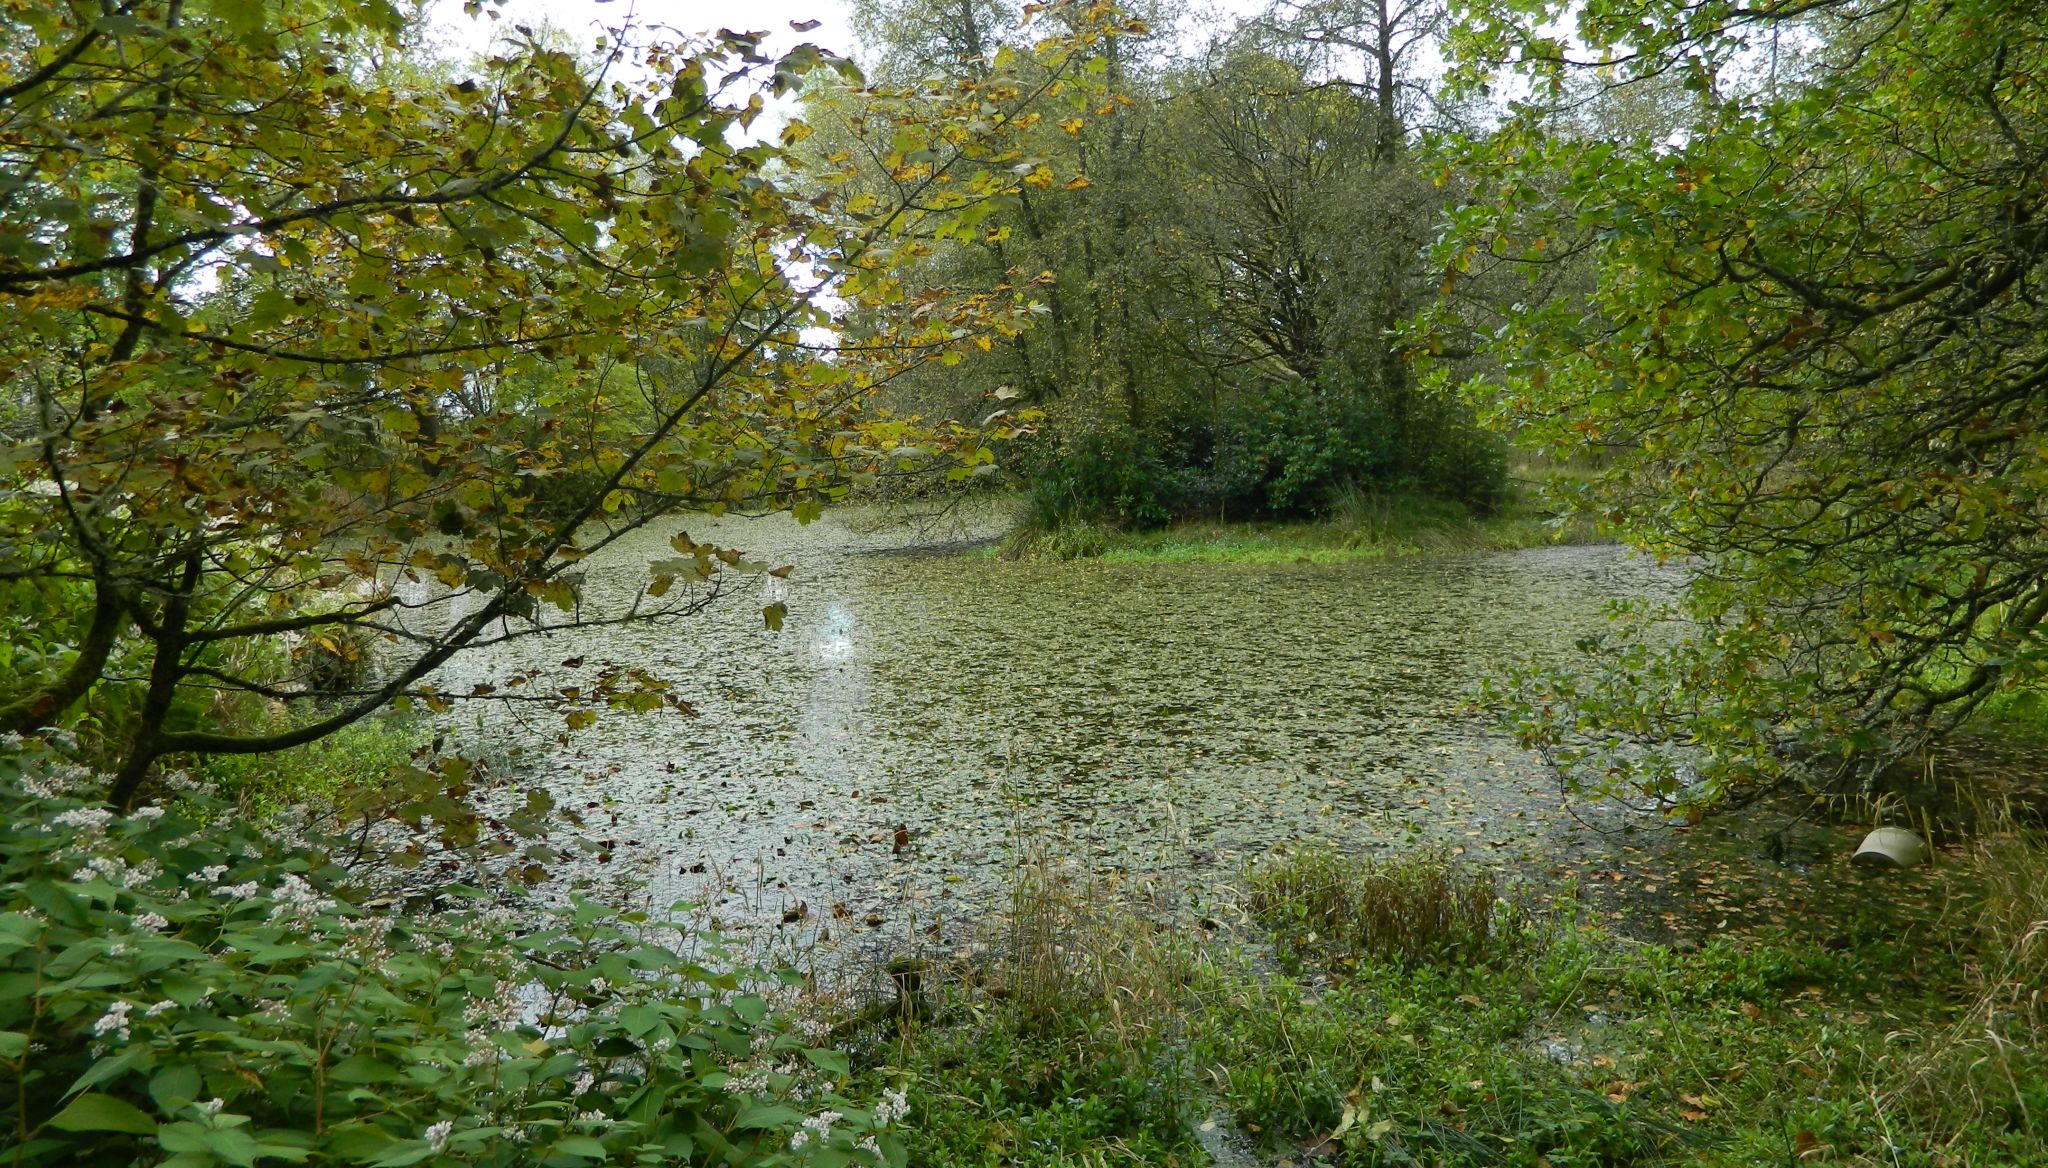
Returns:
(175,1085)
(831,1061)
(361,1068)
(93,1112)
(640,1018)
(768,1115)
(410,1152)
(183,1136)
(242,16)
(773,614)
(581,1146)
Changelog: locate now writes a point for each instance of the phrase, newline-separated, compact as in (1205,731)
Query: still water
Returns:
(926,711)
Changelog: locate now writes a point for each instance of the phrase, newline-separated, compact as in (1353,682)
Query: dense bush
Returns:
(192,996)
(1115,476)
(1278,452)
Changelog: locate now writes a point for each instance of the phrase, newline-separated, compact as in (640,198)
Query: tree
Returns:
(919,42)
(1814,362)
(1070,240)
(286,327)
(1283,218)
(1379,49)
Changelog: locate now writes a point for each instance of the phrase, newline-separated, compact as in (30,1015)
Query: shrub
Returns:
(192,996)
(1287,451)
(1113,475)
(1283,451)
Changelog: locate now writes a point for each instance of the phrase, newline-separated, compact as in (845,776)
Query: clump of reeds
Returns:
(1078,955)
(1407,910)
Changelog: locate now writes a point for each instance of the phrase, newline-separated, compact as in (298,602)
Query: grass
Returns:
(1406,911)
(1062,1048)
(1411,1025)
(2016,713)
(1361,526)
(318,773)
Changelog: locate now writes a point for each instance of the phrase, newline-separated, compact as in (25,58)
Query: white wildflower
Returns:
(213,1106)
(437,1135)
(297,901)
(114,1021)
(151,922)
(210,874)
(753,1083)
(242,891)
(163,1007)
(53,783)
(818,1127)
(893,1107)
(105,868)
(90,820)
(147,814)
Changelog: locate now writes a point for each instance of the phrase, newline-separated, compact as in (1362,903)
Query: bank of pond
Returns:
(197,993)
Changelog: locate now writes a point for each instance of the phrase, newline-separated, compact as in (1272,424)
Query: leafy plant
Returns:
(194,997)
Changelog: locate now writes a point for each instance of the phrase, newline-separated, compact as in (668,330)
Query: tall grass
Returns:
(1081,962)
(1989,1066)
(1064,1046)
(359,755)
(1409,910)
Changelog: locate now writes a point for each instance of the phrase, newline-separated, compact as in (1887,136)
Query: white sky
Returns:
(585,20)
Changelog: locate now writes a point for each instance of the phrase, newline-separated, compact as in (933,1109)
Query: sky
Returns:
(585,19)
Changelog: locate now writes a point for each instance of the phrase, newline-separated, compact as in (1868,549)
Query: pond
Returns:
(872,771)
